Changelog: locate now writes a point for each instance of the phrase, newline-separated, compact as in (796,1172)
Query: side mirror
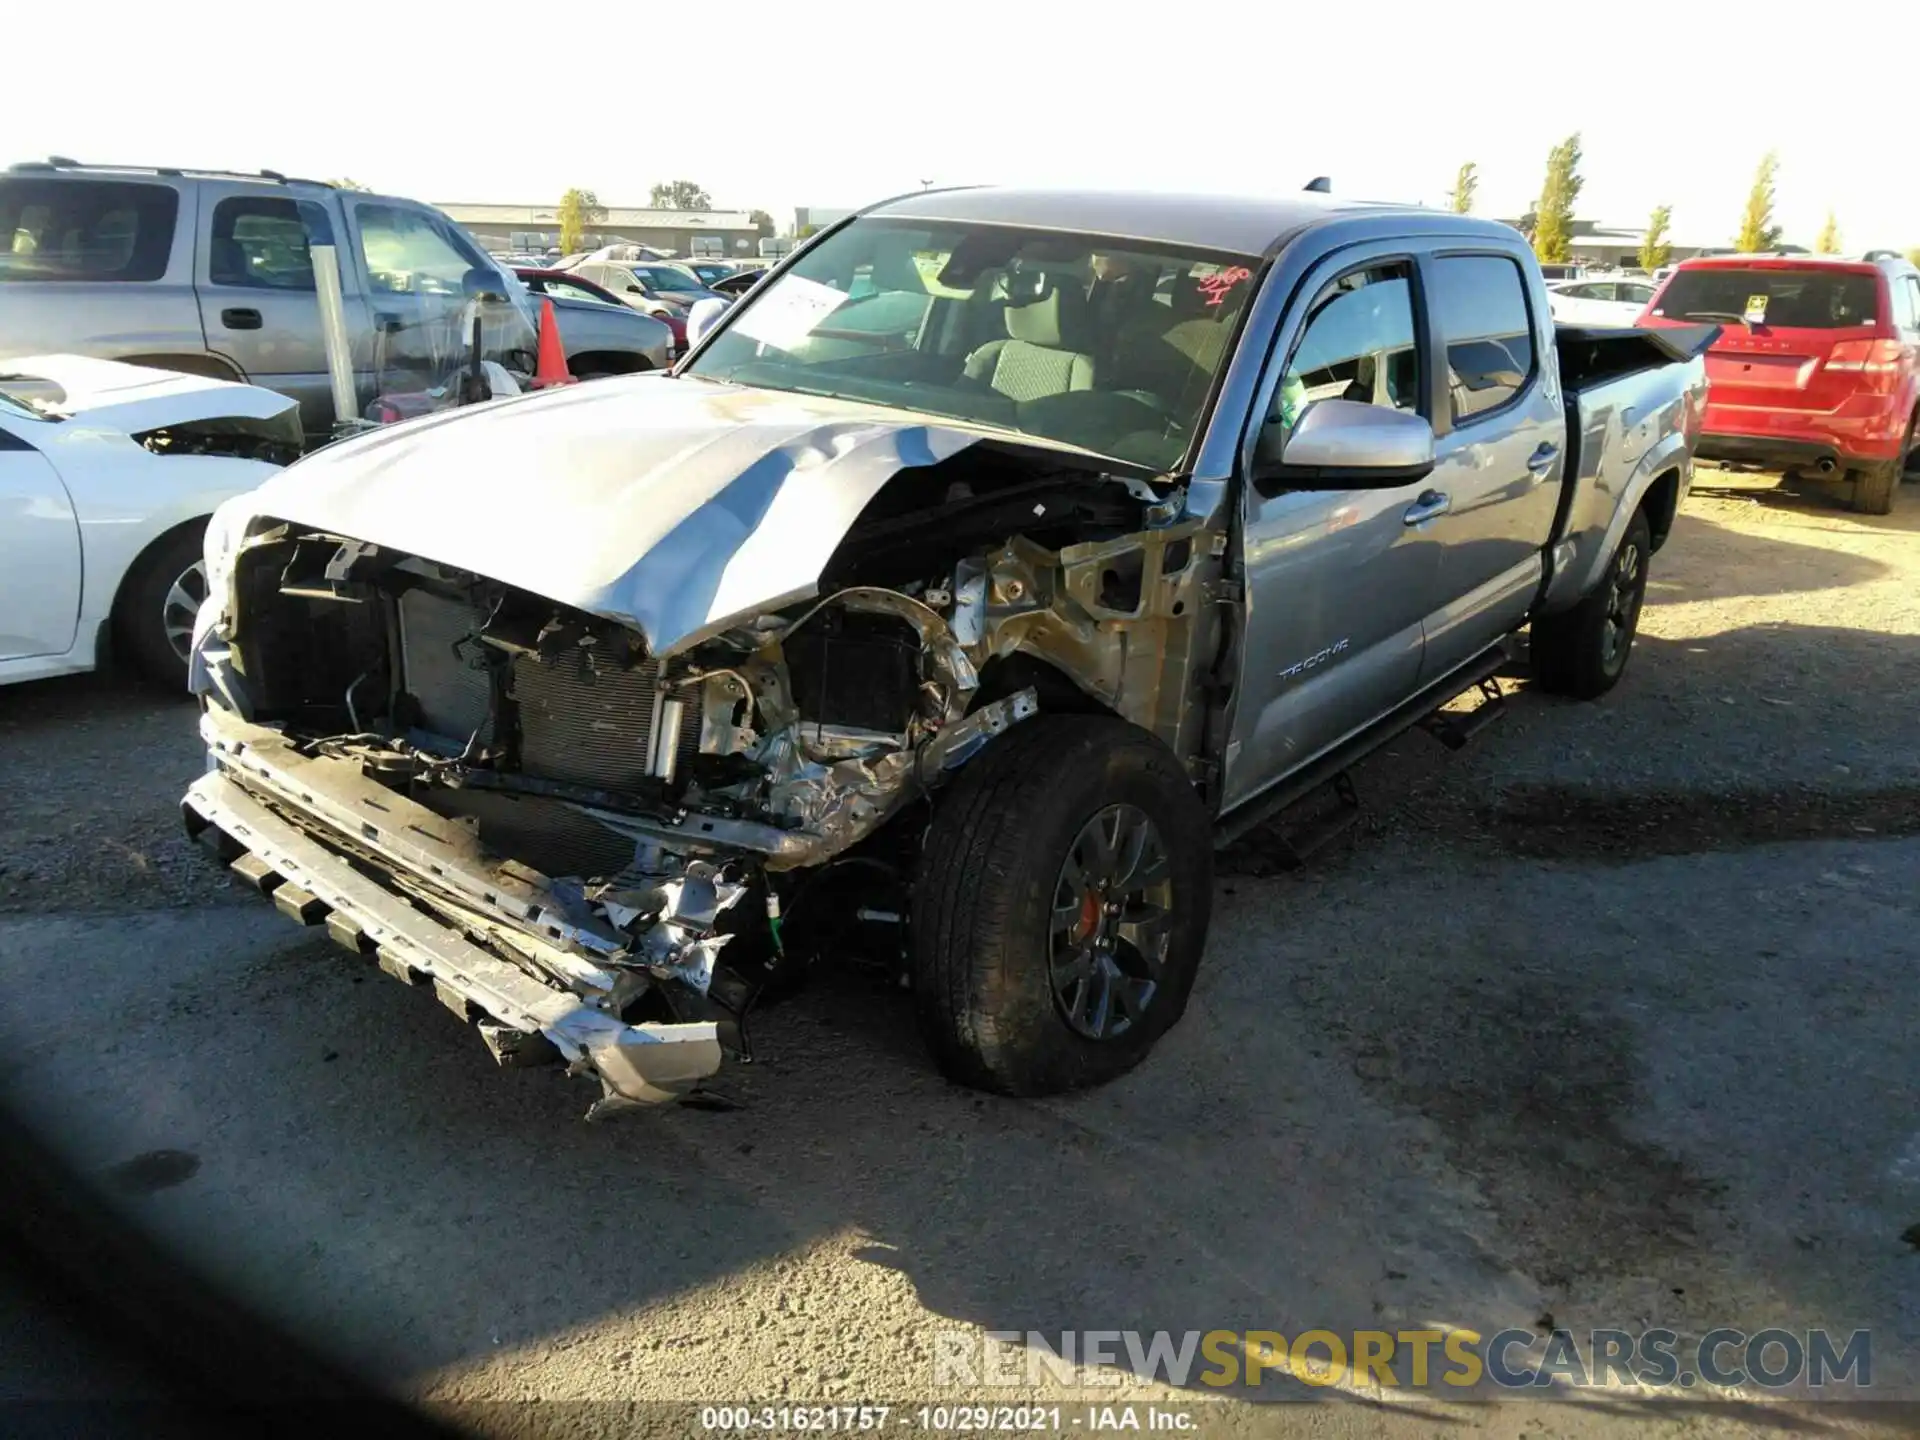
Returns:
(1346,445)
(704,315)
(635,290)
(483,284)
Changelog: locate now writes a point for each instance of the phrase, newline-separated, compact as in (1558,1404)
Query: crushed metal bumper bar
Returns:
(522,1020)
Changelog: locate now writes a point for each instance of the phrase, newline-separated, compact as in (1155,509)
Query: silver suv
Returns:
(209,272)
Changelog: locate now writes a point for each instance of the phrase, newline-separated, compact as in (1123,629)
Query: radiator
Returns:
(576,725)
(444,666)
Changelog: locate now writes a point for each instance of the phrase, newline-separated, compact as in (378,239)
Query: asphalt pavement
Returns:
(1605,1022)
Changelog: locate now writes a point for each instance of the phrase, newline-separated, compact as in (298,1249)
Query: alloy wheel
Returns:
(182,606)
(1624,595)
(1112,922)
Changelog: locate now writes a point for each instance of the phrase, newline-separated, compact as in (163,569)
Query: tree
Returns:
(1757,230)
(762,223)
(680,195)
(1655,250)
(345,184)
(1464,184)
(580,211)
(801,232)
(1553,231)
(1828,242)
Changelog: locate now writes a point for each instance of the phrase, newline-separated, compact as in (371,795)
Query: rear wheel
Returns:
(1061,907)
(1583,652)
(1875,486)
(159,600)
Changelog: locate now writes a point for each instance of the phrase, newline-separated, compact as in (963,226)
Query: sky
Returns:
(827,103)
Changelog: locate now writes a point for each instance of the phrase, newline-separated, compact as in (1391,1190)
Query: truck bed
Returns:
(1632,399)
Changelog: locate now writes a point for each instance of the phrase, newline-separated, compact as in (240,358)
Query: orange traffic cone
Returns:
(550,362)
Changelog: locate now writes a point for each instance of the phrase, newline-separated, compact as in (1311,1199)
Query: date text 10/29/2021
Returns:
(948,1419)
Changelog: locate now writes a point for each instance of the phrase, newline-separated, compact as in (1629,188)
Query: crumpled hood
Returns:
(135,398)
(670,505)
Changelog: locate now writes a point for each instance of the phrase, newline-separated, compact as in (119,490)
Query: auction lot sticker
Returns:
(786,314)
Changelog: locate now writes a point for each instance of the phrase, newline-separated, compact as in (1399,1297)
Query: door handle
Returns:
(1542,459)
(1430,504)
(240,319)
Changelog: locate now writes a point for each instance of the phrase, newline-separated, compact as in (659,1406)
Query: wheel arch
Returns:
(1662,504)
(1058,692)
(146,553)
(204,363)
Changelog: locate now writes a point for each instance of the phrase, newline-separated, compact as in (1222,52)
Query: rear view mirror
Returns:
(1346,445)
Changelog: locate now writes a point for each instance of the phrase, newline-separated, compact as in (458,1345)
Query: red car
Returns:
(1817,368)
(578,287)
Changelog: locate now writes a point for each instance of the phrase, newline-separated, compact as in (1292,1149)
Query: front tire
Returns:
(1583,652)
(1061,907)
(153,617)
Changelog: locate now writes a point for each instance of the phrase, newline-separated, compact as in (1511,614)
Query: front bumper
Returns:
(523,1019)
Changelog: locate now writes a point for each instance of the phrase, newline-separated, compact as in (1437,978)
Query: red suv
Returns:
(1817,368)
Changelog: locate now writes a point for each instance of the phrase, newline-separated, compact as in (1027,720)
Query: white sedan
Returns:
(108,473)
(1600,303)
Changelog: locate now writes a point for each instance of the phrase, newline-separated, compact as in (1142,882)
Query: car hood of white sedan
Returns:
(133,398)
(674,506)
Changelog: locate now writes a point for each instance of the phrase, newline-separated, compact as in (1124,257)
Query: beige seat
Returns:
(1034,361)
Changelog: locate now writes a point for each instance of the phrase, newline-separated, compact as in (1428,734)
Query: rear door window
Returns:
(260,242)
(90,230)
(1783,298)
(1479,307)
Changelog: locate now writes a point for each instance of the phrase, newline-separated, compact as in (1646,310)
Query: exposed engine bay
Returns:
(658,840)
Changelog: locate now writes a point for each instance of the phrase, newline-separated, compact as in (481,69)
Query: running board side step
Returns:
(1455,729)
(1342,757)
(1331,818)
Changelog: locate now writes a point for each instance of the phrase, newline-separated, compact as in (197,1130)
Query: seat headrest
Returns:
(1191,300)
(226,262)
(1053,320)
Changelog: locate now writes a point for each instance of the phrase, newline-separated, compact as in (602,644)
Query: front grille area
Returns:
(443,666)
(578,725)
(582,727)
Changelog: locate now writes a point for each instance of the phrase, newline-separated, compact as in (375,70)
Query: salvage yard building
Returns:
(532,228)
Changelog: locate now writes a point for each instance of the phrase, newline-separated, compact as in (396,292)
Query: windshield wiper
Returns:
(1714,315)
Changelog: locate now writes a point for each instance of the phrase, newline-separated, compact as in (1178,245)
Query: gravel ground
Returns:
(1606,1019)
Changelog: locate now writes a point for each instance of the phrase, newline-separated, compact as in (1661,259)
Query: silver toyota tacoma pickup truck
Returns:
(210,273)
(976,575)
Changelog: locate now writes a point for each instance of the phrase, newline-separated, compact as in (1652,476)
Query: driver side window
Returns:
(1358,344)
(407,253)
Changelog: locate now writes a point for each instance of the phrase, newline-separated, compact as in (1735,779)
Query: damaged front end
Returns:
(585,847)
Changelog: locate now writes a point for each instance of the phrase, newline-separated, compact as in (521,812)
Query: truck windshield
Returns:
(1809,299)
(1108,344)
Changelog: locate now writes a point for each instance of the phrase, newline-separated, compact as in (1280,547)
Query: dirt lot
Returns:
(1608,1019)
